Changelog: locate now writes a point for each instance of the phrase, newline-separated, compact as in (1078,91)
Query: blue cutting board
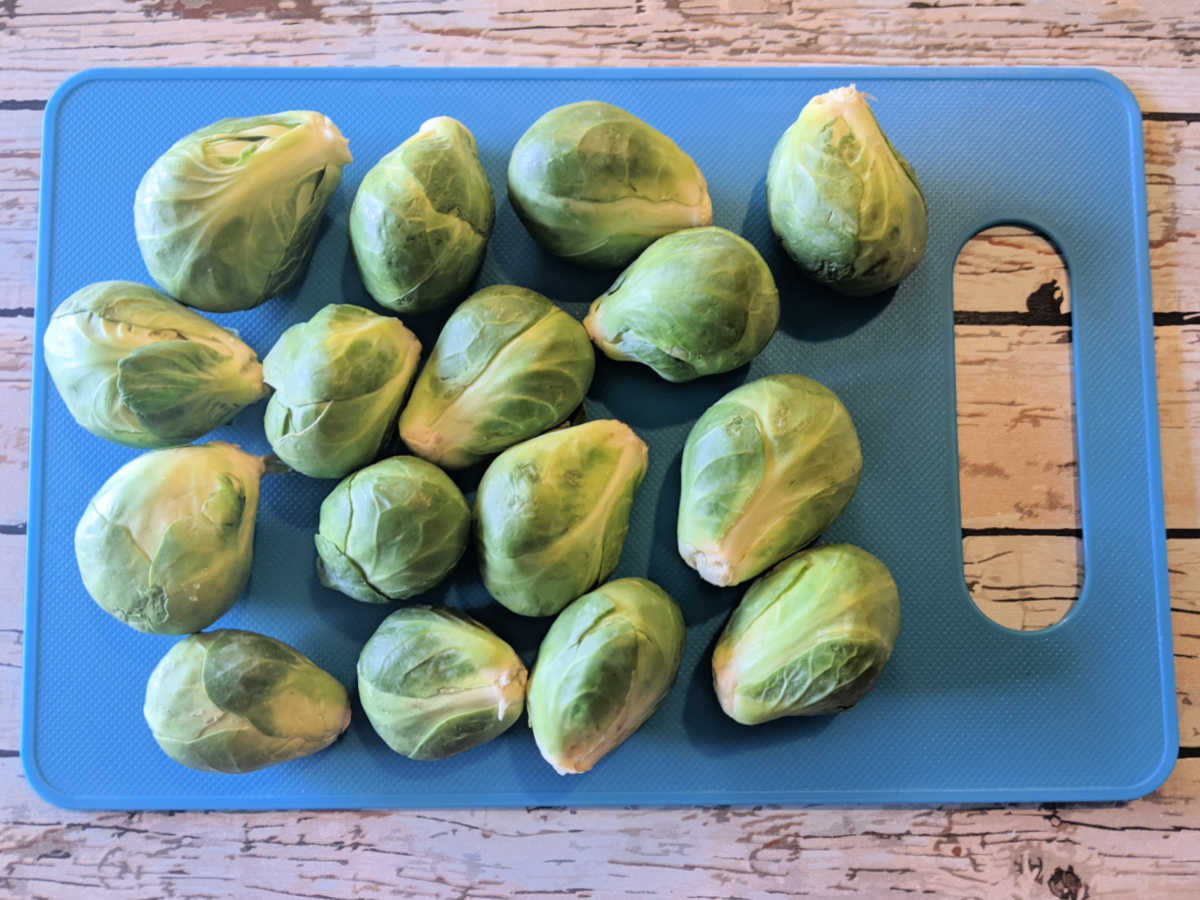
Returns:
(966,709)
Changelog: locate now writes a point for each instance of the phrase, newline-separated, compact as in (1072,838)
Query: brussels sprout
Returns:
(391,531)
(552,513)
(227,217)
(597,185)
(697,302)
(508,364)
(604,666)
(339,381)
(135,367)
(765,470)
(235,701)
(421,219)
(165,544)
(809,638)
(435,682)
(846,205)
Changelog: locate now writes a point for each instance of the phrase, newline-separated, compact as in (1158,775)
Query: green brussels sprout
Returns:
(765,470)
(809,638)
(339,381)
(597,185)
(434,682)
(391,531)
(235,701)
(165,544)
(227,217)
(604,666)
(135,367)
(552,513)
(696,302)
(508,365)
(421,219)
(846,205)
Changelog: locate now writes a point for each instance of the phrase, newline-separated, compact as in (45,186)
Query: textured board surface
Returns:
(966,709)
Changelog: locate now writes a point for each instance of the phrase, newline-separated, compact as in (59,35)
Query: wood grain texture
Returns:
(1147,848)
(20,169)
(1023,582)
(1007,331)
(1016,425)
(1150,44)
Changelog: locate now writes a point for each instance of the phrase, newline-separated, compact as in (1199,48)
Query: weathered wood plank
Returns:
(1148,848)
(1014,267)
(1024,582)
(14,452)
(1183,561)
(1173,207)
(12,632)
(16,358)
(1016,442)
(1017,455)
(1149,44)
(20,171)
(999,271)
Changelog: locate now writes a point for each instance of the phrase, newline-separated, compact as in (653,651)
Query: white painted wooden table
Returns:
(1018,480)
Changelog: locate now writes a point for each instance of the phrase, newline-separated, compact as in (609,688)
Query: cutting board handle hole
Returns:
(1017,448)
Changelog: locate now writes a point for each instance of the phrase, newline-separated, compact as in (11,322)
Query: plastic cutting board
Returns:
(966,710)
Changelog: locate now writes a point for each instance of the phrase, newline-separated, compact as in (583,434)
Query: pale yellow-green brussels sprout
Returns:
(765,470)
(597,185)
(434,682)
(809,638)
(552,514)
(392,530)
(165,544)
(339,381)
(137,368)
(235,701)
(696,302)
(508,365)
(228,216)
(604,666)
(421,219)
(844,202)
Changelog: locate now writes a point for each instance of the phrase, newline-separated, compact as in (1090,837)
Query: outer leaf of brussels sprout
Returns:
(696,302)
(421,219)
(847,206)
(165,544)
(597,185)
(235,701)
(135,367)
(227,217)
(508,365)
(810,637)
(339,381)
(392,530)
(765,470)
(552,513)
(603,668)
(434,682)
